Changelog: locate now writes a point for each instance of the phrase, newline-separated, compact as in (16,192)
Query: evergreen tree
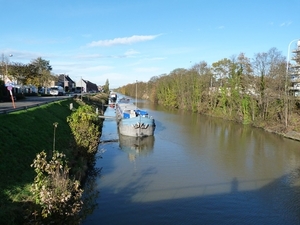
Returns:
(106,87)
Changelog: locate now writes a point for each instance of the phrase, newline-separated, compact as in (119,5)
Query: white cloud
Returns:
(285,24)
(122,41)
(86,35)
(115,79)
(221,27)
(146,69)
(88,56)
(25,56)
(98,68)
(131,52)
(156,58)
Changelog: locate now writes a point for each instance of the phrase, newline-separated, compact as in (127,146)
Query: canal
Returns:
(196,170)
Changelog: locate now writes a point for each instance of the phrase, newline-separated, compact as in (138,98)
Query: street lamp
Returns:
(288,55)
(287,63)
(6,73)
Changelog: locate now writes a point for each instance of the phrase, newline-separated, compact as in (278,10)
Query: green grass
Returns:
(23,134)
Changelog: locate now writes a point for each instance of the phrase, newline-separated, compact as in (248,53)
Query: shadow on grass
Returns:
(23,134)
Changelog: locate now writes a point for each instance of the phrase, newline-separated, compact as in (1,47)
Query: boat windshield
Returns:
(141,112)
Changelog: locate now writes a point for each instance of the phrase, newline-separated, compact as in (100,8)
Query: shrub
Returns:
(86,130)
(57,196)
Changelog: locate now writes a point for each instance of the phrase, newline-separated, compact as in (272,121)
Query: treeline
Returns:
(250,91)
(37,72)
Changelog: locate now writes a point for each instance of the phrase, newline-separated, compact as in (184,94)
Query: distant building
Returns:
(100,88)
(66,82)
(86,86)
(294,72)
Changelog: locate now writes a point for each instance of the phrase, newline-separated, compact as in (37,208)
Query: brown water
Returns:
(197,170)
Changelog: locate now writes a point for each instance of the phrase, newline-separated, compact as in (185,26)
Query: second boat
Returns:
(132,121)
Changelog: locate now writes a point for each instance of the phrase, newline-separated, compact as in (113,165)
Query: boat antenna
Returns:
(136,94)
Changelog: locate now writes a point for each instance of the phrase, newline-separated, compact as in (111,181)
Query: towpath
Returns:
(28,102)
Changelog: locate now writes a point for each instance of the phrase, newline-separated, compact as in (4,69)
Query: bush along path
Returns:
(45,153)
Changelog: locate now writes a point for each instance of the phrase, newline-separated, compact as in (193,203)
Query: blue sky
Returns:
(128,40)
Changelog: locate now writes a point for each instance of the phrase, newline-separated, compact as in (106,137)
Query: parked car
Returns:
(57,90)
(44,90)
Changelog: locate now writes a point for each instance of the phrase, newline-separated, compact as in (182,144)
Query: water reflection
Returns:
(201,170)
(91,193)
(136,146)
(234,185)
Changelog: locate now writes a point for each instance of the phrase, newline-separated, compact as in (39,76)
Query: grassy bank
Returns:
(23,134)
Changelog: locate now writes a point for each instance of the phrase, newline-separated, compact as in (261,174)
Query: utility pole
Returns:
(136,93)
(6,70)
(81,87)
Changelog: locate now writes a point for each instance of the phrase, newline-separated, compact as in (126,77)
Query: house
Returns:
(66,82)
(294,72)
(86,86)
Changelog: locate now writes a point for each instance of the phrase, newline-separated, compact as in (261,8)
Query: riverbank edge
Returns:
(17,210)
(290,134)
(293,135)
(278,130)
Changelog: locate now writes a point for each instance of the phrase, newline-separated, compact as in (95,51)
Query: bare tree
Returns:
(270,67)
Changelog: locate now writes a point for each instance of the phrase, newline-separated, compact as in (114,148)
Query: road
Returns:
(29,101)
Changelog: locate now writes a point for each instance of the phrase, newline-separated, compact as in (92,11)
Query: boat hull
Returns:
(137,126)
